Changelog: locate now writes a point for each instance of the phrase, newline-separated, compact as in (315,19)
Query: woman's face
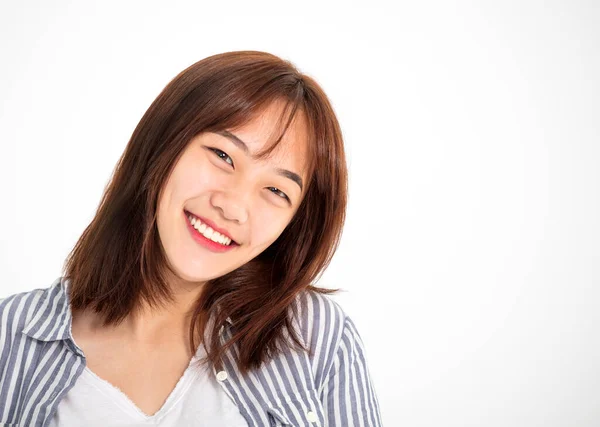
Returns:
(250,201)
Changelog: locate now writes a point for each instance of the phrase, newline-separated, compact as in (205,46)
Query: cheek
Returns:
(268,224)
(196,177)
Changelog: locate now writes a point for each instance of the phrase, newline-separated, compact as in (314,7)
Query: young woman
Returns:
(190,299)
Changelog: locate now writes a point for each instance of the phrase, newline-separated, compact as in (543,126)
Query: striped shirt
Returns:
(40,363)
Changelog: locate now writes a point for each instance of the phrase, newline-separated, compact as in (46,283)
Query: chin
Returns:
(199,273)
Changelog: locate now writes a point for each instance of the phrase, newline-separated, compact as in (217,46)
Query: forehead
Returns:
(262,131)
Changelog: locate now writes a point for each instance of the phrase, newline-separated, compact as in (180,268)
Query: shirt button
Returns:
(312,417)
(222,376)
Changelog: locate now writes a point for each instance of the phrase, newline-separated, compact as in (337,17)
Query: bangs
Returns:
(294,111)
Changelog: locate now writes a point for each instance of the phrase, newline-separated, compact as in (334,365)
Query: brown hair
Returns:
(119,260)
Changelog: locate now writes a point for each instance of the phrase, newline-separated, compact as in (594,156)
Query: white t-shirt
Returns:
(197,399)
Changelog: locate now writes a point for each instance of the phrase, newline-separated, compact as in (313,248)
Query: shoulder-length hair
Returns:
(118,261)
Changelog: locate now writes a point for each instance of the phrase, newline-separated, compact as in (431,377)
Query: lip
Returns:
(207,243)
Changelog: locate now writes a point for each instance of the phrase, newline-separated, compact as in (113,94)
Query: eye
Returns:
(222,155)
(279,193)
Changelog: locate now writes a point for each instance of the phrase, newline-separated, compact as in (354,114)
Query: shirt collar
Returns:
(52,320)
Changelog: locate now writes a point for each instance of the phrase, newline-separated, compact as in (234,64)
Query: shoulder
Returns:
(329,333)
(322,322)
(19,309)
(318,316)
(20,306)
(338,362)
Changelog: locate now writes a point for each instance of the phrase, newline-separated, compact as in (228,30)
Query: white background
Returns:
(470,258)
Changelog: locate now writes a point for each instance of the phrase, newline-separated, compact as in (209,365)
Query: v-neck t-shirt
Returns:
(197,399)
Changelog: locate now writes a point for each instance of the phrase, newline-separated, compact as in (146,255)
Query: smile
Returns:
(205,235)
(208,232)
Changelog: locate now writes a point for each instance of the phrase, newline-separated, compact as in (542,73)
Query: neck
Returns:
(149,325)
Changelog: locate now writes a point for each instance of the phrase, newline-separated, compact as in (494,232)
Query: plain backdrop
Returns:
(470,259)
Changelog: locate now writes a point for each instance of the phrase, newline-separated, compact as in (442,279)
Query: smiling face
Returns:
(248,200)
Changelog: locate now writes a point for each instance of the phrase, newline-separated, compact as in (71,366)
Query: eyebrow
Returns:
(244,147)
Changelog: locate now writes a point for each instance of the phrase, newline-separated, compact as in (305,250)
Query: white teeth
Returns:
(208,232)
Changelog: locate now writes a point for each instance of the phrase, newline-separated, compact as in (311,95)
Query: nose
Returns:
(231,205)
